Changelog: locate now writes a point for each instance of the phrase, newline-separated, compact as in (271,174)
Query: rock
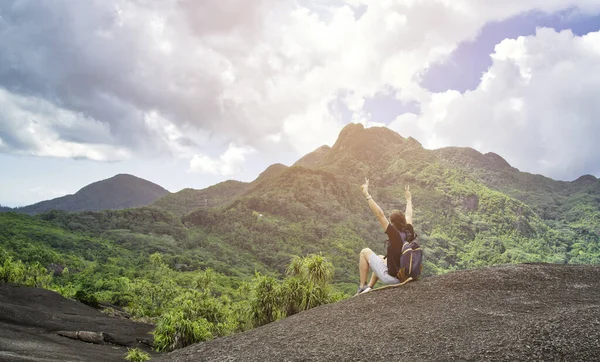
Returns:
(528,312)
(89,337)
(68,334)
(34,323)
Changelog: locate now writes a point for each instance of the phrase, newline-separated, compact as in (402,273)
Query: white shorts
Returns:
(380,269)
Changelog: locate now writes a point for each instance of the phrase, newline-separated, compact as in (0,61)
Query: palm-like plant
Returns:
(307,284)
(319,270)
(176,330)
(297,267)
(265,303)
(292,294)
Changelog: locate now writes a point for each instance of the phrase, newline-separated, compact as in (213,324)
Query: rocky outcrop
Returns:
(89,337)
(34,324)
(531,312)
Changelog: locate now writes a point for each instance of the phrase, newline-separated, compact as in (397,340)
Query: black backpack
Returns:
(412,257)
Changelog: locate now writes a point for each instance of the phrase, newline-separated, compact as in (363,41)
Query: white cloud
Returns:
(185,77)
(537,106)
(229,163)
(311,128)
(33,126)
(178,140)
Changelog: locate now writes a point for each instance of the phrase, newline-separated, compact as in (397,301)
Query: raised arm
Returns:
(374,207)
(409,210)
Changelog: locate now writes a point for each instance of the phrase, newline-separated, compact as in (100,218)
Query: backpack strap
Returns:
(403,237)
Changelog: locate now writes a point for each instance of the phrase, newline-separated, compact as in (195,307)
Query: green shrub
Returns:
(136,355)
(86,297)
(174,331)
(30,275)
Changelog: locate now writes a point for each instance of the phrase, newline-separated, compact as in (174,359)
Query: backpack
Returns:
(411,259)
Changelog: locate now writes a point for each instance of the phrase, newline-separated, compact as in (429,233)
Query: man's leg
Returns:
(374,277)
(363,265)
(379,267)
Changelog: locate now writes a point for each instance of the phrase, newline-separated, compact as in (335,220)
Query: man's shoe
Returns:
(362,290)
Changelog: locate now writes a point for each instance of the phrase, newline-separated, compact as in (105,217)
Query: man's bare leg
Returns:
(363,265)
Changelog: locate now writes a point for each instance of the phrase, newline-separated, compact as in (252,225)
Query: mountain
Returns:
(118,192)
(314,158)
(535,312)
(471,209)
(187,200)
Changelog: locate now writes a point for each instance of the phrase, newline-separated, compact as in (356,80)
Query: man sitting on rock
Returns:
(385,268)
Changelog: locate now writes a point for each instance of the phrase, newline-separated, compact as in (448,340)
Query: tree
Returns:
(176,329)
(307,285)
(265,302)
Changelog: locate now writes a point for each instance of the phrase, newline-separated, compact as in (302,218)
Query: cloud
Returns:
(183,78)
(32,126)
(229,163)
(536,105)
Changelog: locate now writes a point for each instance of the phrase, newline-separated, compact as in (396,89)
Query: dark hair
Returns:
(398,219)
(410,232)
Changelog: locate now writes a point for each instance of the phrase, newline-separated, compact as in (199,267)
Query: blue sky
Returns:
(466,65)
(190,95)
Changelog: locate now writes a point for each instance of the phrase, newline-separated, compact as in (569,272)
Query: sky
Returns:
(189,93)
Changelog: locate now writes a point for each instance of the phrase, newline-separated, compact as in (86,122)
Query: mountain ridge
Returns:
(465,203)
(118,192)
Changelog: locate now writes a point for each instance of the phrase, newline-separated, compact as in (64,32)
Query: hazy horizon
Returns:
(252,177)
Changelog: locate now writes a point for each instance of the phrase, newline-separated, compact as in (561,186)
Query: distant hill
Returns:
(314,158)
(188,200)
(221,194)
(271,171)
(119,192)
(534,312)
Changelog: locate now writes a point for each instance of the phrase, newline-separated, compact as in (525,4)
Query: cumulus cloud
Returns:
(32,126)
(536,105)
(229,163)
(187,77)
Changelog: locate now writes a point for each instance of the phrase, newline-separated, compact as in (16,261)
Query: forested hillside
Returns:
(192,255)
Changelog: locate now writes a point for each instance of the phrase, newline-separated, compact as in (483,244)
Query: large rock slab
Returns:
(531,312)
(32,318)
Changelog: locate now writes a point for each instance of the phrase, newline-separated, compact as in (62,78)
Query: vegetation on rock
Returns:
(136,355)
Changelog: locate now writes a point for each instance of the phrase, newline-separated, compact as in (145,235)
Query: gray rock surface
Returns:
(31,318)
(529,312)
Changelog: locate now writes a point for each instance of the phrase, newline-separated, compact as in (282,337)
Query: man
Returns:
(384,269)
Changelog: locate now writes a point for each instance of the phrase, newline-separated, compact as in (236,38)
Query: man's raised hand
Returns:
(365,187)
(407,192)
